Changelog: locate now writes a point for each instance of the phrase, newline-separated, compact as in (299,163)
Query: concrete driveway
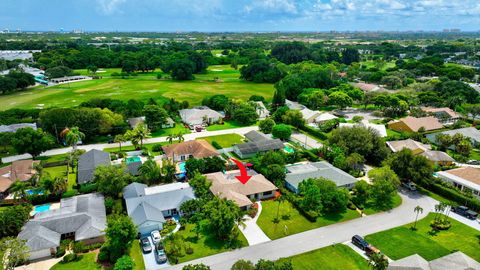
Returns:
(305,140)
(321,237)
(149,259)
(252,231)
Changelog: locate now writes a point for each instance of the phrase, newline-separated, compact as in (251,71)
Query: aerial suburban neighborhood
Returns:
(239,135)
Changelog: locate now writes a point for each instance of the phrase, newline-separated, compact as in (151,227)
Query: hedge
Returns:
(88,188)
(314,132)
(216,145)
(455,196)
(295,200)
(42,199)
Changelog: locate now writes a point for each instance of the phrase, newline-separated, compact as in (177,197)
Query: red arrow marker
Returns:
(243,177)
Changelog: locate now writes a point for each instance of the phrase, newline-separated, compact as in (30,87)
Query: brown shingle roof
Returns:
(415,146)
(226,186)
(446,110)
(468,173)
(414,123)
(197,148)
(20,169)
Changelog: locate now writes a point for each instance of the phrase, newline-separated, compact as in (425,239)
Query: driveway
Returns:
(149,259)
(351,112)
(305,140)
(321,237)
(101,146)
(252,231)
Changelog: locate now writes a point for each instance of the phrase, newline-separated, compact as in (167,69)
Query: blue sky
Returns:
(239,15)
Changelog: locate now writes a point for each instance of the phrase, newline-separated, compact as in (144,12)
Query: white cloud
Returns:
(109,6)
(272,6)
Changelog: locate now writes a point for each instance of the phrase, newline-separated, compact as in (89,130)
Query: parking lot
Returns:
(149,259)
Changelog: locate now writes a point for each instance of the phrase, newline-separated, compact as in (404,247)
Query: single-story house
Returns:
(470,132)
(262,110)
(380,129)
(199,116)
(19,170)
(81,218)
(149,207)
(88,162)
(309,116)
(445,115)
(14,127)
(225,185)
(413,124)
(298,172)
(293,105)
(464,178)
(189,149)
(257,143)
(417,148)
(134,121)
(457,260)
(324,117)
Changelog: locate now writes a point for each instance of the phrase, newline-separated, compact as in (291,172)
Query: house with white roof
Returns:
(199,116)
(262,111)
(380,129)
(150,207)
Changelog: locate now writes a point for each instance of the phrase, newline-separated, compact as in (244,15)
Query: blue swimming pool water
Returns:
(181,166)
(288,149)
(133,159)
(42,208)
(34,192)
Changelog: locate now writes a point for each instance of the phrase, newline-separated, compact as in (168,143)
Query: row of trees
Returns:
(15,81)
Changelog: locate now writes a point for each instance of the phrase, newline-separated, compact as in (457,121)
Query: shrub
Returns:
(124,263)
(70,258)
(104,254)
(189,250)
(113,156)
(314,132)
(440,225)
(79,247)
(70,193)
(252,212)
(88,188)
(121,154)
(157,147)
(454,195)
(60,252)
(216,145)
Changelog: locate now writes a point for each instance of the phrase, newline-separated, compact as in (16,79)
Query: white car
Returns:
(155,236)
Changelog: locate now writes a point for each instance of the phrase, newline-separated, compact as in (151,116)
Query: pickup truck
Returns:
(464,211)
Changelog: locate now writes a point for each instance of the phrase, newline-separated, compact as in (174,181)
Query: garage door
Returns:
(146,228)
(39,254)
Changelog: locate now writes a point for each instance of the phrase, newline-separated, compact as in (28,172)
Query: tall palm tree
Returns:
(74,136)
(140,133)
(279,199)
(119,139)
(19,189)
(180,137)
(418,209)
(171,137)
(38,168)
(150,172)
(60,185)
(168,171)
(47,184)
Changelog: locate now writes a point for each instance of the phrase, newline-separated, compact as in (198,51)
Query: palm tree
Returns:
(180,137)
(74,136)
(59,185)
(38,168)
(47,184)
(119,139)
(418,209)
(140,133)
(168,171)
(19,189)
(279,199)
(150,172)
(171,137)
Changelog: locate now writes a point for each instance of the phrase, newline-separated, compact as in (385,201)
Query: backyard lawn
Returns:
(296,222)
(59,171)
(401,242)
(143,87)
(332,257)
(227,140)
(205,245)
(86,262)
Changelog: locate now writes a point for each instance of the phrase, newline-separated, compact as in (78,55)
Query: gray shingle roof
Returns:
(296,173)
(457,260)
(134,190)
(255,136)
(258,142)
(133,167)
(85,215)
(146,212)
(470,132)
(15,127)
(413,262)
(88,162)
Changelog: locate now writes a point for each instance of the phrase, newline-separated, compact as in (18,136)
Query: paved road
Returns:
(101,146)
(321,237)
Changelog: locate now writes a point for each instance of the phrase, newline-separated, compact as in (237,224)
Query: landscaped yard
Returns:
(332,257)
(59,171)
(143,87)
(137,256)
(132,148)
(401,242)
(86,262)
(205,245)
(296,222)
(225,125)
(179,128)
(292,221)
(227,140)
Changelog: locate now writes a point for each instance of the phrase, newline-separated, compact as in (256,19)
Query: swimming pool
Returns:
(288,149)
(133,159)
(42,208)
(181,167)
(31,192)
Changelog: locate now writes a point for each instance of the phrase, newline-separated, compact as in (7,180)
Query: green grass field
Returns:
(225,125)
(205,245)
(59,171)
(401,242)
(225,141)
(86,262)
(143,86)
(137,256)
(329,258)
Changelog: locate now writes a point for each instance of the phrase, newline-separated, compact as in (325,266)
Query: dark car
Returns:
(145,244)
(464,211)
(160,256)
(358,241)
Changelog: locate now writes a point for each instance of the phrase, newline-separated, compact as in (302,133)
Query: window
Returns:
(267,193)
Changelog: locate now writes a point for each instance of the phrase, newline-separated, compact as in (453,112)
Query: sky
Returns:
(239,15)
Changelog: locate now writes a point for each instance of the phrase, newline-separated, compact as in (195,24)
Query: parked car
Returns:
(358,241)
(145,244)
(464,211)
(371,250)
(410,186)
(155,237)
(473,162)
(160,256)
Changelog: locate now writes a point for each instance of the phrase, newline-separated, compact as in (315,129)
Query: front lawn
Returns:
(401,242)
(292,221)
(225,141)
(59,171)
(137,256)
(205,245)
(225,125)
(332,257)
(87,261)
(371,209)
(132,148)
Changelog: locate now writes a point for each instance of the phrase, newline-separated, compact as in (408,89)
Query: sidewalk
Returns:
(101,146)
(252,231)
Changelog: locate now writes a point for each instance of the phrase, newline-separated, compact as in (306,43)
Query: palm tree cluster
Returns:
(178,136)
(137,135)
(151,173)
